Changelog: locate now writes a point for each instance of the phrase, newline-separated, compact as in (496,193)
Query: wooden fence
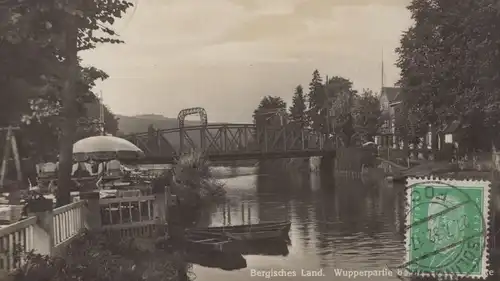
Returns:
(50,231)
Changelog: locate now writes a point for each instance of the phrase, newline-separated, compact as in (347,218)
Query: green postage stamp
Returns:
(446,230)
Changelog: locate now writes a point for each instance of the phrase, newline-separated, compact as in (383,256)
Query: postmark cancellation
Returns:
(446,228)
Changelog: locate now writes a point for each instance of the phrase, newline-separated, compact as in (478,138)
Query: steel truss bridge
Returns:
(230,142)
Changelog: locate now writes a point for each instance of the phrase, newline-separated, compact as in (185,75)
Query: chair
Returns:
(114,169)
(47,170)
(80,170)
(128,193)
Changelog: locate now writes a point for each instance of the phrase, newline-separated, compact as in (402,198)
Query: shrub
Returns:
(192,172)
(98,257)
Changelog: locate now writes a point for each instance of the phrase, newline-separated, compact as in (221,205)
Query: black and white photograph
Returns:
(182,140)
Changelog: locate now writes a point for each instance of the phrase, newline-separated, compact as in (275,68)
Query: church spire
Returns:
(382,70)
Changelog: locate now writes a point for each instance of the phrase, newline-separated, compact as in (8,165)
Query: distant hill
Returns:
(140,123)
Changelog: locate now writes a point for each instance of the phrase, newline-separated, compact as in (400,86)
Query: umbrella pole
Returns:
(10,147)
(101,175)
(6,156)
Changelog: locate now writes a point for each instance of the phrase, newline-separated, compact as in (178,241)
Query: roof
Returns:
(391,93)
(400,96)
(452,127)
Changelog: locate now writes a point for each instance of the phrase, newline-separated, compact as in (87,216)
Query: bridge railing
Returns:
(231,139)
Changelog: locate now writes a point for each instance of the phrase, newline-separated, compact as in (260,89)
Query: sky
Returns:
(225,55)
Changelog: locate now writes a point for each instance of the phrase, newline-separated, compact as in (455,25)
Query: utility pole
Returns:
(279,111)
(69,97)
(327,107)
(281,114)
(382,74)
(101,115)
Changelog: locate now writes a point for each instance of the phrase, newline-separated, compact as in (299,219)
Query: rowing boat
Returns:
(248,232)
(211,242)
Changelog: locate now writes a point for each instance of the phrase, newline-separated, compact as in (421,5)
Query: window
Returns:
(448,138)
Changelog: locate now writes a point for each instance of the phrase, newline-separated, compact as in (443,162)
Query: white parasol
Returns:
(103,148)
(369,143)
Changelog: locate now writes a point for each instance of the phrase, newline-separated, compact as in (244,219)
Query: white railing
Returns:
(68,222)
(127,211)
(50,232)
(15,239)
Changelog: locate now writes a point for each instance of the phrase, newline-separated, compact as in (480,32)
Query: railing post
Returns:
(92,214)
(158,141)
(245,142)
(265,139)
(43,232)
(202,138)
(226,141)
(181,140)
(160,207)
(285,138)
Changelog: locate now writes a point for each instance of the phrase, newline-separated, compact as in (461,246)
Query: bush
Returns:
(191,167)
(98,257)
(192,172)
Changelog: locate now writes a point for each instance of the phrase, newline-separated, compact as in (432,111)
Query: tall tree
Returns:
(316,99)
(341,95)
(298,108)
(449,66)
(50,34)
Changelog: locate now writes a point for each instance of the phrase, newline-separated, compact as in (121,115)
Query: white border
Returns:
(486,217)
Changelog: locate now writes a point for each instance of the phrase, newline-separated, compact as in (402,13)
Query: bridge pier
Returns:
(326,169)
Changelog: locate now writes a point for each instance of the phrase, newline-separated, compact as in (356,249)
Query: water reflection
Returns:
(343,225)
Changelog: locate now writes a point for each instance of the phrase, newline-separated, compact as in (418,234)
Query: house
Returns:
(393,114)
(390,100)
(392,106)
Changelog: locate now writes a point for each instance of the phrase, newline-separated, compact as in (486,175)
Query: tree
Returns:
(316,100)
(271,111)
(341,95)
(449,70)
(40,134)
(298,108)
(366,113)
(50,33)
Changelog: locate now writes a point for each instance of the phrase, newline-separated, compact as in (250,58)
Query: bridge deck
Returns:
(232,142)
(237,156)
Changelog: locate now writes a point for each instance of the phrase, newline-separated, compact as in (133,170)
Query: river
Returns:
(342,227)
